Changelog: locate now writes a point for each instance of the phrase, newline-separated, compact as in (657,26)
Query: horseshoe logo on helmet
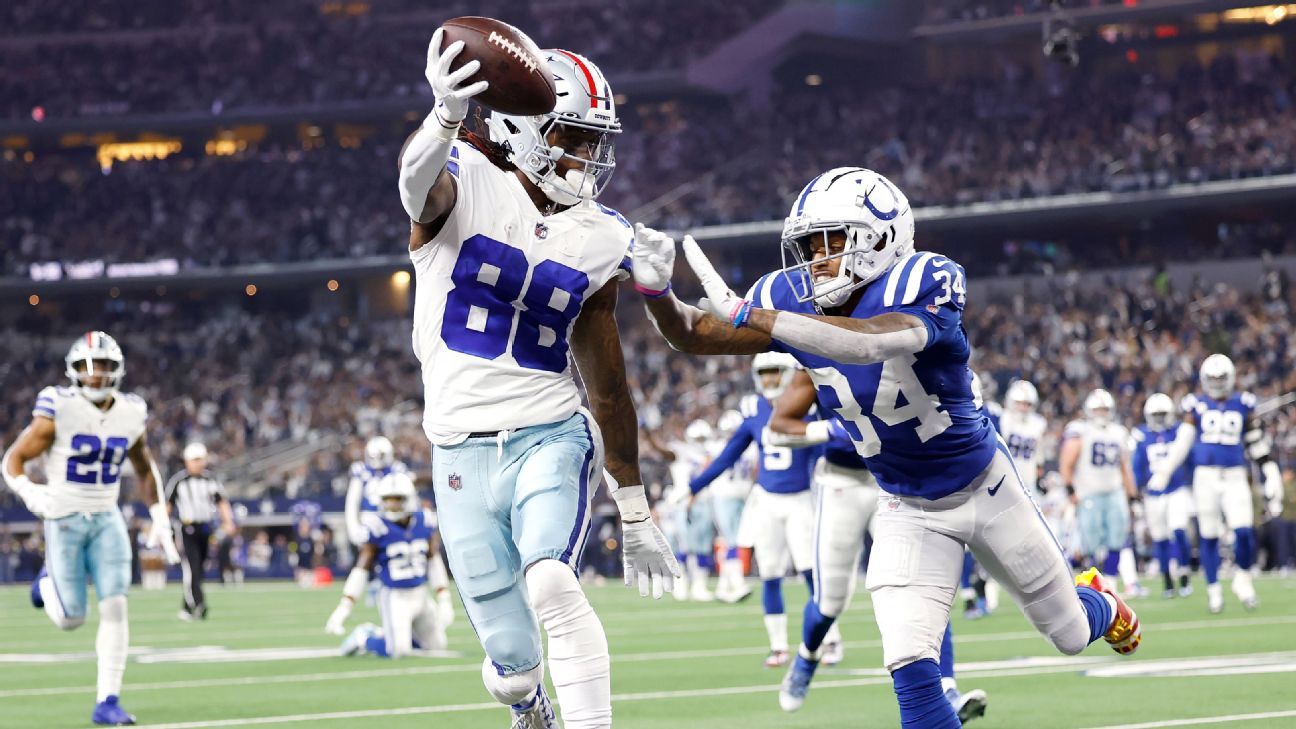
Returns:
(895,201)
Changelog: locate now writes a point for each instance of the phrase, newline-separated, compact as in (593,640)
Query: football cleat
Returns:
(1215,598)
(185,615)
(355,643)
(1245,591)
(700,593)
(37,601)
(1124,634)
(734,596)
(796,684)
(1168,594)
(968,706)
(776,658)
(537,713)
(833,653)
(1185,586)
(110,713)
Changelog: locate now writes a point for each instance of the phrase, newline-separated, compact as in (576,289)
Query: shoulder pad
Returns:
(46,402)
(1247,399)
(399,467)
(1075,429)
(925,278)
(1140,434)
(749,406)
(373,524)
(618,216)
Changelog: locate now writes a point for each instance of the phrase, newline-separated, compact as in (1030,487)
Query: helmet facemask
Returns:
(861,261)
(83,372)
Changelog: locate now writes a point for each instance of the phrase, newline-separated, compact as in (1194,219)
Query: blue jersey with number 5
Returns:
(402,550)
(1221,427)
(912,418)
(499,288)
(781,470)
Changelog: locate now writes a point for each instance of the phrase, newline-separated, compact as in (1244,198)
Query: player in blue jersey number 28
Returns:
(879,328)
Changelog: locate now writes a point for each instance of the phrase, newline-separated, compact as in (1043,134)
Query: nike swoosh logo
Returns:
(995,490)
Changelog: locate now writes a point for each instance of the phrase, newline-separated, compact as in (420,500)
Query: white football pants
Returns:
(917,559)
(409,614)
(780,526)
(1223,497)
(1167,513)
(848,499)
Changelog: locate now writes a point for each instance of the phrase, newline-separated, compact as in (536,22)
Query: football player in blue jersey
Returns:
(398,542)
(780,511)
(847,502)
(879,328)
(1219,433)
(1168,509)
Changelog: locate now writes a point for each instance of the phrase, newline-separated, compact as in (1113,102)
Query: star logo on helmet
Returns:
(455,482)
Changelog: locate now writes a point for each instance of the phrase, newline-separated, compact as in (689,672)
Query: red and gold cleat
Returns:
(1125,633)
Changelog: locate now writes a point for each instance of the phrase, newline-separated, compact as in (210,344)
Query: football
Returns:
(510,62)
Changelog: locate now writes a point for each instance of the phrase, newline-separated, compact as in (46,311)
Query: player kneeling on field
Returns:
(399,538)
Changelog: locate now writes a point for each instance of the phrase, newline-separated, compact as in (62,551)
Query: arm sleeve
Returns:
(355,532)
(733,450)
(1139,461)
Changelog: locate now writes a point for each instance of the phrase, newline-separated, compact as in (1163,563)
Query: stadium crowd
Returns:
(954,11)
(974,141)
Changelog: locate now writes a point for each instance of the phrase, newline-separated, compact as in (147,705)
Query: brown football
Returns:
(520,84)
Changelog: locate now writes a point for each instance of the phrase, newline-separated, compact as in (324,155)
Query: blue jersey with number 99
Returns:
(1221,427)
(912,418)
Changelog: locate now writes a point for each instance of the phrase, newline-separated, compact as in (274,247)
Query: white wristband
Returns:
(631,501)
(161,520)
(356,583)
(20,484)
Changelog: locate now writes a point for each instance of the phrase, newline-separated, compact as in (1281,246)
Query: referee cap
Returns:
(195,451)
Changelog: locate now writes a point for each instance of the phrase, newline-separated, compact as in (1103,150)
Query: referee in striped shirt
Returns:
(195,497)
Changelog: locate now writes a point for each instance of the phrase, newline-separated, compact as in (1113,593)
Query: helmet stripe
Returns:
(806,193)
(591,87)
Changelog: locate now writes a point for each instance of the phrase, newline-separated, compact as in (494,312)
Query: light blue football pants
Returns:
(1104,521)
(728,515)
(696,530)
(87,545)
(502,505)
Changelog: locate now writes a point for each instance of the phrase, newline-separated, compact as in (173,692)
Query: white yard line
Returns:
(1198,721)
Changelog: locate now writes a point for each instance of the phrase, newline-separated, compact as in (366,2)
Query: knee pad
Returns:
(556,594)
(511,688)
(511,647)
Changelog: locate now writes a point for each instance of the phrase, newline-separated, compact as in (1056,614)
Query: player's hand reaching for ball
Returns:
(452,98)
(653,261)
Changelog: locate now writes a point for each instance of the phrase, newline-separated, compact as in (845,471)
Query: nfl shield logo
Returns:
(456,482)
(541,231)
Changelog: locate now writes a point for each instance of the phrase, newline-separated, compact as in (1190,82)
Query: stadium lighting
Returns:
(333,284)
(250,289)
(33,299)
(400,279)
(814,79)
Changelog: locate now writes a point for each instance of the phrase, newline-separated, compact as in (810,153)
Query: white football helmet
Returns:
(1218,376)
(784,363)
(730,422)
(99,356)
(379,453)
(698,431)
(1159,411)
(1022,396)
(1098,401)
(876,218)
(395,486)
(584,117)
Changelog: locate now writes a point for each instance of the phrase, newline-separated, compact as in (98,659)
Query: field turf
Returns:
(262,659)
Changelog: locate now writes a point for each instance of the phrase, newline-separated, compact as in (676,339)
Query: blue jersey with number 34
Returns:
(402,550)
(912,418)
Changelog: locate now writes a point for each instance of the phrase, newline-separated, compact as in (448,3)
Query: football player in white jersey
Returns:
(517,270)
(86,431)
(1022,428)
(693,532)
(1221,433)
(729,495)
(1095,465)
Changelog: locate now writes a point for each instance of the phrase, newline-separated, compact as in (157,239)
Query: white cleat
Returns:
(1245,591)
(700,593)
(833,653)
(734,596)
(355,642)
(535,714)
(1215,598)
(968,706)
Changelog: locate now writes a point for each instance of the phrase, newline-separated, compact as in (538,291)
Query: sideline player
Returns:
(399,540)
(729,495)
(88,429)
(693,532)
(879,328)
(847,501)
(1095,466)
(379,460)
(1219,432)
(780,512)
(517,267)
(1168,509)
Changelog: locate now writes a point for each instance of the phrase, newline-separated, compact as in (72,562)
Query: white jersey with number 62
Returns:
(498,289)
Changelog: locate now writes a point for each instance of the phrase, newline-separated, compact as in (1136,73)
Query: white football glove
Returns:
(35,497)
(1159,480)
(652,261)
(161,535)
(648,559)
(1273,489)
(452,98)
(720,300)
(336,624)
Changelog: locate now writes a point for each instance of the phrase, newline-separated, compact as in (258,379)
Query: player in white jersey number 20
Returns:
(517,267)
(878,326)
(87,430)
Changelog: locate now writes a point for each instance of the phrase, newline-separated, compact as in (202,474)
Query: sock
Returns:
(732,554)
(1244,549)
(705,562)
(809,580)
(1128,568)
(1182,551)
(1111,563)
(947,654)
(948,684)
(377,644)
(776,629)
(693,569)
(922,702)
(1161,548)
(1098,608)
(731,573)
(814,627)
(1210,559)
(773,596)
(579,664)
(111,645)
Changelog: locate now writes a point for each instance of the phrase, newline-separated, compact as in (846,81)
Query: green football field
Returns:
(264,660)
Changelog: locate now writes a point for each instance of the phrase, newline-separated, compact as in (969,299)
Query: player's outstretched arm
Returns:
(838,338)
(35,439)
(351,511)
(1182,445)
(353,590)
(686,328)
(150,492)
(733,450)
